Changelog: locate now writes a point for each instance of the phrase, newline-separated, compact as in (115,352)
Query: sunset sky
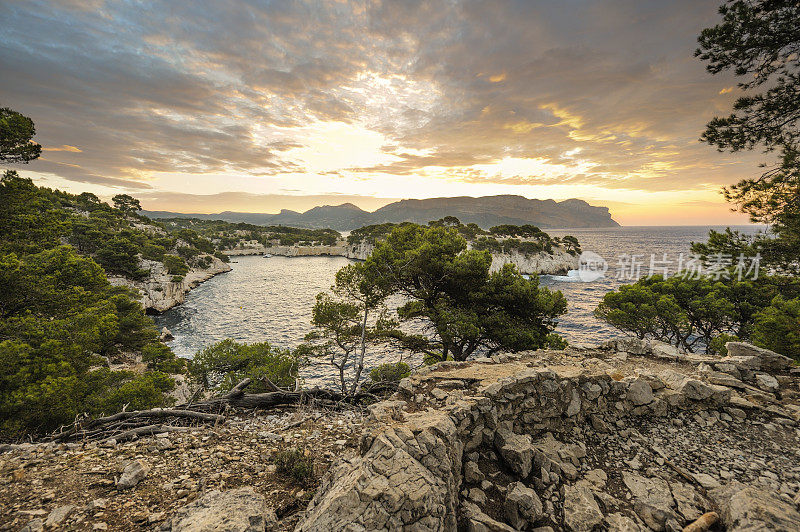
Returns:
(257,106)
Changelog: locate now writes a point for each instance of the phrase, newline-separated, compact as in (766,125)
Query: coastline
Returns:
(557,263)
(159,293)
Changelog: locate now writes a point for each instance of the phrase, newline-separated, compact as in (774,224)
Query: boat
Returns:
(267,255)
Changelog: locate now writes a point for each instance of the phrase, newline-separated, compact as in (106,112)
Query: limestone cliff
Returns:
(159,293)
(559,262)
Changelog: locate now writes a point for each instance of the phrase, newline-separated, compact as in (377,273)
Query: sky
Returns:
(256,106)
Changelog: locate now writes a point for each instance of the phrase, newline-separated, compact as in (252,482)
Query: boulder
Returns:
(690,504)
(406,477)
(474,520)
(58,515)
(767,382)
(653,500)
(516,451)
(769,360)
(633,345)
(725,379)
(133,473)
(691,388)
(166,335)
(523,506)
(747,508)
(472,473)
(665,350)
(239,510)
(640,393)
(653,491)
(581,512)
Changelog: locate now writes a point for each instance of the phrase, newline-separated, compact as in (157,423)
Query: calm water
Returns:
(271,299)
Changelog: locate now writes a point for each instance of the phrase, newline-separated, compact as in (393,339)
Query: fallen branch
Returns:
(127,425)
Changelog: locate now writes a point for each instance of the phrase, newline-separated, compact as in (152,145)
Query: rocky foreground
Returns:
(629,436)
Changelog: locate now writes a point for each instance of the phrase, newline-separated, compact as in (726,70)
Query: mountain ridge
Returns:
(485,211)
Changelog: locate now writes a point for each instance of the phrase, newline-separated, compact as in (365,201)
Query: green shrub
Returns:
(177,279)
(295,464)
(554,341)
(153,252)
(187,253)
(226,363)
(717,345)
(159,357)
(390,372)
(203,262)
(777,327)
(175,265)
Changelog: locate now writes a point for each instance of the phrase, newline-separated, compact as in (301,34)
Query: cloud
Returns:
(445,90)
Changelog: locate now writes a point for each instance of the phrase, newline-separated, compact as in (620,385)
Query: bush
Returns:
(777,327)
(121,256)
(203,262)
(226,363)
(175,265)
(159,357)
(717,345)
(695,314)
(153,252)
(295,464)
(390,372)
(554,341)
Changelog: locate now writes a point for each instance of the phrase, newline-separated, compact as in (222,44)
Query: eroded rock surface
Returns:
(634,436)
(239,510)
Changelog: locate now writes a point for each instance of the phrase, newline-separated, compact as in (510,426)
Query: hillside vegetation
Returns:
(227,235)
(62,324)
(526,239)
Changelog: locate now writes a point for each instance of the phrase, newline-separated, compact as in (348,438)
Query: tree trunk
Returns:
(360,364)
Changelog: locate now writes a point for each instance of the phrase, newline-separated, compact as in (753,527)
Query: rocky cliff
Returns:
(631,437)
(159,293)
(556,263)
(559,262)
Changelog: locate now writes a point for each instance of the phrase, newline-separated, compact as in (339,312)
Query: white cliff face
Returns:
(360,251)
(556,263)
(159,293)
(559,262)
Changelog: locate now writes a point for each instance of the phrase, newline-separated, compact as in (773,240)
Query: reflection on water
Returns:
(271,298)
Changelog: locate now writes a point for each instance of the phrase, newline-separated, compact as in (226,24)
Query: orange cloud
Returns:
(65,147)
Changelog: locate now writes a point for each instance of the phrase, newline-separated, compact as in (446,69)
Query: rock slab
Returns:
(239,510)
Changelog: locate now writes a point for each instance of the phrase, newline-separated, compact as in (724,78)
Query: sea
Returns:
(270,299)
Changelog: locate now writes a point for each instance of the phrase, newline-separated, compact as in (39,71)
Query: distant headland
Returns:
(485,211)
